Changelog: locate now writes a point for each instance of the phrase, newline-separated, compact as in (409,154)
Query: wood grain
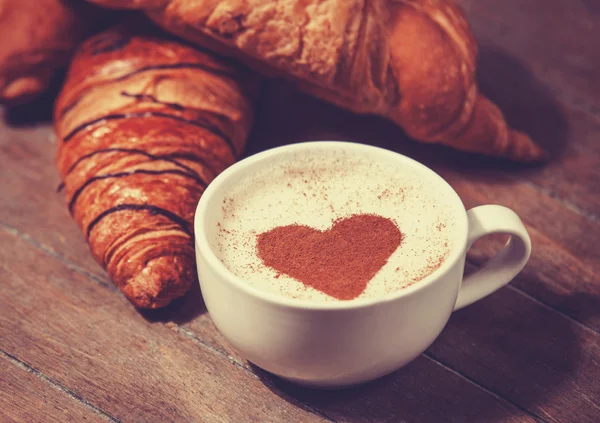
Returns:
(562,271)
(419,392)
(90,340)
(542,362)
(28,163)
(528,354)
(32,204)
(91,336)
(25,397)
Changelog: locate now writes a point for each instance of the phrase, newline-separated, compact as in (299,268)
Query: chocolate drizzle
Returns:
(212,70)
(118,175)
(196,158)
(152,99)
(221,72)
(108,43)
(153,210)
(202,123)
(69,107)
(153,157)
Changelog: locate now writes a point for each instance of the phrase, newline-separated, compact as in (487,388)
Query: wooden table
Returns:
(73,349)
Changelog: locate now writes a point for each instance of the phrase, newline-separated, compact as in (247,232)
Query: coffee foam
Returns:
(315,191)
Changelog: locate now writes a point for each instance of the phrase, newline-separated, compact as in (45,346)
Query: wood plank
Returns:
(508,351)
(562,271)
(87,339)
(95,308)
(94,342)
(32,204)
(553,338)
(574,231)
(565,263)
(555,277)
(557,40)
(25,397)
(528,354)
(420,392)
(565,260)
(553,378)
(28,164)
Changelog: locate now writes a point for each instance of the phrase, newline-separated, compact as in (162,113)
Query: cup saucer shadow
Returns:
(421,391)
(181,310)
(489,344)
(287,116)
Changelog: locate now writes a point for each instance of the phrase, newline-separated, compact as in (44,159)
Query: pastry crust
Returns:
(145,123)
(38,38)
(411,61)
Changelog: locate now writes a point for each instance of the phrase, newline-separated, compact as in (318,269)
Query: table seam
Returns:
(59,387)
(431,357)
(173,326)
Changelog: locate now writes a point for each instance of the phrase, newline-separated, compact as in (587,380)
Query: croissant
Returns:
(411,61)
(145,123)
(38,38)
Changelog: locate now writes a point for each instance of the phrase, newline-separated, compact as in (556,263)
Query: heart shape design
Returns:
(339,261)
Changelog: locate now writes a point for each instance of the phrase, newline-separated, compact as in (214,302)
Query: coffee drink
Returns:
(333,226)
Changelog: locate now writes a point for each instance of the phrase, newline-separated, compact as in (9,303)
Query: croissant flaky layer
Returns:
(411,61)
(145,123)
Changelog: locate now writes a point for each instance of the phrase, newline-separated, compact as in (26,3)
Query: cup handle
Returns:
(501,269)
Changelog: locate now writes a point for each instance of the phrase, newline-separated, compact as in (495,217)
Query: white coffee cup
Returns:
(340,343)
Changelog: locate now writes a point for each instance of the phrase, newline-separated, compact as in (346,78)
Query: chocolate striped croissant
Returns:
(144,123)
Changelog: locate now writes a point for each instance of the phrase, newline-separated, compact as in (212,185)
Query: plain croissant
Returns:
(411,61)
(144,124)
(38,38)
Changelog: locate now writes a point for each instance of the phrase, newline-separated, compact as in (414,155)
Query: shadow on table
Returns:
(181,310)
(509,350)
(286,116)
(522,352)
(527,103)
(584,305)
(37,111)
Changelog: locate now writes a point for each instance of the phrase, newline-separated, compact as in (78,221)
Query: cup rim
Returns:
(203,247)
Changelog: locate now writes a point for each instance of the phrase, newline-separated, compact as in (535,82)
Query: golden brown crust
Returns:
(440,100)
(411,61)
(130,4)
(145,124)
(38,37)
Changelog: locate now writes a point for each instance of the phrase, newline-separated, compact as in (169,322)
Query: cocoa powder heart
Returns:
(340,261)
